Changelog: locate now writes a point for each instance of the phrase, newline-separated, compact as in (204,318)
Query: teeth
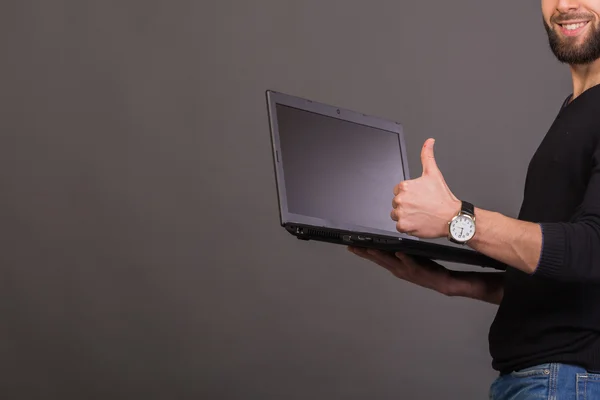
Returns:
(572,27)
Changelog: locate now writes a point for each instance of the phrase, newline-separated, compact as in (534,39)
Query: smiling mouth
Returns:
(572,28)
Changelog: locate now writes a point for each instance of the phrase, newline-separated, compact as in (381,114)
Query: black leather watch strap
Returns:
(468,208)
(453,240)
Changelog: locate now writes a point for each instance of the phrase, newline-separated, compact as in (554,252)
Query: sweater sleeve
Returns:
(571,250)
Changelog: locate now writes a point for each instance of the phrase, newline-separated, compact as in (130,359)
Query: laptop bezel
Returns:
(273,99)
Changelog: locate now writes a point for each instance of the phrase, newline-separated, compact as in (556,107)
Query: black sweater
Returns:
(553,315)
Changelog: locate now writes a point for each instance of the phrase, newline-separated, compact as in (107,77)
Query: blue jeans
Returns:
(553,381)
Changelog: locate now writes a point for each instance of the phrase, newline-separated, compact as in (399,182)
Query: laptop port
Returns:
(364,238)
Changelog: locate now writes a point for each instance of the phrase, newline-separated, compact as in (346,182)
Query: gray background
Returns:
(141,254)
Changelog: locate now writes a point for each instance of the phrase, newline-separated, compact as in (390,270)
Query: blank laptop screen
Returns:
(338,170)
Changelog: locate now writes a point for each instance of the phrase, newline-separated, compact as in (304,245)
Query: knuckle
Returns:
(401,226)
(402,223)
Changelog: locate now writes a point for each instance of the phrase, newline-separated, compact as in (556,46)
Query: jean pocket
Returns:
(536,370)
(527,383)
(588,386)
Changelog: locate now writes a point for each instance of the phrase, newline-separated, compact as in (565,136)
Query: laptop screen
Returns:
(338,170)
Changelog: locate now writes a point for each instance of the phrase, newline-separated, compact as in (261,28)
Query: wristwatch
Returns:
(461,228)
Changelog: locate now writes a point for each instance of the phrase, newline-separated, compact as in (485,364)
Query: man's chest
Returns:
(559,171)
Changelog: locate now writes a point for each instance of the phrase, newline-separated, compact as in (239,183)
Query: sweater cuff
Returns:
(552,257)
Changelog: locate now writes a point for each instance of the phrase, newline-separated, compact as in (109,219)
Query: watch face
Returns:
(462,228)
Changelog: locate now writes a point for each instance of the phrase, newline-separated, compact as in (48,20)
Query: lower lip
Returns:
(573,32)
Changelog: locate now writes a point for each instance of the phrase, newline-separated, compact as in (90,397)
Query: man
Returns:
(545,338)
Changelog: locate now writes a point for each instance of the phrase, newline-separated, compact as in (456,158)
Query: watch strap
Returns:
(467,208)
(453,240)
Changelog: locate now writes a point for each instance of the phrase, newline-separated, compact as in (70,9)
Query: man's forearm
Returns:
(485,286)
(511,241)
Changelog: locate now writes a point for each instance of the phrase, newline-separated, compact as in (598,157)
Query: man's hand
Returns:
(423,207)
(482,286)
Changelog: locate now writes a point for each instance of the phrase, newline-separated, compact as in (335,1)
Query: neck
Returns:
(584,77)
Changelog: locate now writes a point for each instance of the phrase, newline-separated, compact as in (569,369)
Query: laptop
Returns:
(335,170)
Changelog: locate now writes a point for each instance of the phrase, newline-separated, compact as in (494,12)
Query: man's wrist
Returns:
(479,226)
(463,210)
(511,241)
(454,209)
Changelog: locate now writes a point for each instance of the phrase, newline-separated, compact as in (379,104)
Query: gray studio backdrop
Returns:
(141,256)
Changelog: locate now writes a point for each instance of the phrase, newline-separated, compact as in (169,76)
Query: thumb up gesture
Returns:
(422,207)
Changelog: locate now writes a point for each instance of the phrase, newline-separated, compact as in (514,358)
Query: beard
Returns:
(566,50)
